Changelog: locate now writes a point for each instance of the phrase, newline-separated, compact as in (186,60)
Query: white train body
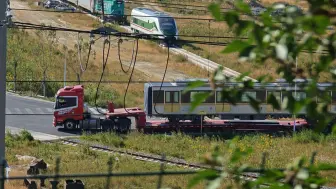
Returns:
(173,103)
(147,21)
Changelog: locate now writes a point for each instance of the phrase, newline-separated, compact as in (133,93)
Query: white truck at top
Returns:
(147,21)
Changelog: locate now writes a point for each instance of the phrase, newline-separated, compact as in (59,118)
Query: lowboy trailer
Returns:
(72,113)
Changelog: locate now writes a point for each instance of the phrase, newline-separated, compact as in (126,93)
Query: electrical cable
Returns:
(131,35)
(130,78)
(120,61)
(175,4)
(164,75)
(106,41)
(126,15)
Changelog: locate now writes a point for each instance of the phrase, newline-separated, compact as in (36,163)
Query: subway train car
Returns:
(113,9)
(148,21)
(170,102)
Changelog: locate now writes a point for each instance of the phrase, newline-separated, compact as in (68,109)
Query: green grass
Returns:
(80,160)
(280,150)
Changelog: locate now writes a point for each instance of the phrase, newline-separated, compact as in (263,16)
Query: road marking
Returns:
(18,111)
(49,110)
(39,111)
(29,111)
(8,111)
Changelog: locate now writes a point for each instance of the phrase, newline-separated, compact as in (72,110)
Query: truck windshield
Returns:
(167,26)
(65,102)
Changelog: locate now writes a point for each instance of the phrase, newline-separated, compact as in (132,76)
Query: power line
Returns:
(131,75)
(175,4)
(163,78)
(26,26)
(107,41)
(86,81)
(134,51)
(97,14)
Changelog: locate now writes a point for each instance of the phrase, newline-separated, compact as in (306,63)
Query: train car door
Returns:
(172,101)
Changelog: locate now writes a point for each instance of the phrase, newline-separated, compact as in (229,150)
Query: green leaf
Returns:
(281,51)
(198,99)
(231,18)
(254,103)
(303,174)
(326,167)
(274,102)
(193,85)
(294,106)
(241,77)
(215,10)
(203,175)
(243,7)
(214,184)
(236,46)
(317,24)
(219,75)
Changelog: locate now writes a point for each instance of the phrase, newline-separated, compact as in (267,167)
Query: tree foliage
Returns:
(280,38)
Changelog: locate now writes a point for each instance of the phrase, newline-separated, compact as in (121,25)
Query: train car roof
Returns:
(151,12)
(184,83)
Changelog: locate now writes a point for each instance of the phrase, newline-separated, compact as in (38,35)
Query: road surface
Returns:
(27,106)
(20,112)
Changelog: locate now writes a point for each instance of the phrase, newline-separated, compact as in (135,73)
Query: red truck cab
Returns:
(69,106)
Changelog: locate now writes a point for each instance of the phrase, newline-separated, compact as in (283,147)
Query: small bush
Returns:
(26,136)
(308,136)
(181,58)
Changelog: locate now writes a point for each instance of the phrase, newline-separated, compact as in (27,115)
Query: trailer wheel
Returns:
(69,125)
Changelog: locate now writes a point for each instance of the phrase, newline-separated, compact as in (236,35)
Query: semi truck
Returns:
(71,112)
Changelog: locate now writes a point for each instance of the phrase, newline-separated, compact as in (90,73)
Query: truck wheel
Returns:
(69,125)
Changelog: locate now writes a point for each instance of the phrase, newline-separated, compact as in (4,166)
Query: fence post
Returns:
(263,162)
(44,83)
(15,68)
(30,83)
(55,182)
(110,163)
(312,159)
(161,171)
(3,175)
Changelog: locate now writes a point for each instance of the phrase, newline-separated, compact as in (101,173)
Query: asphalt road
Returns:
(27,106)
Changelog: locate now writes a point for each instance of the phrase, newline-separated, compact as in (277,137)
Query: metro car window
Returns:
(167,96)
(277,95)
(156,98)
(176,97)
(252,94)
(299,95)
(65,102)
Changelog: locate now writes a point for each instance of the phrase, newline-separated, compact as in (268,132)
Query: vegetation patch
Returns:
(80,160)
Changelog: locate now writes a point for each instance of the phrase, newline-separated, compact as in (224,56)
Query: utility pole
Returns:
(3,51)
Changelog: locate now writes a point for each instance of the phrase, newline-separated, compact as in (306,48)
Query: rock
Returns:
(33,171)
(39,164)
(30,184)
(25,158)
